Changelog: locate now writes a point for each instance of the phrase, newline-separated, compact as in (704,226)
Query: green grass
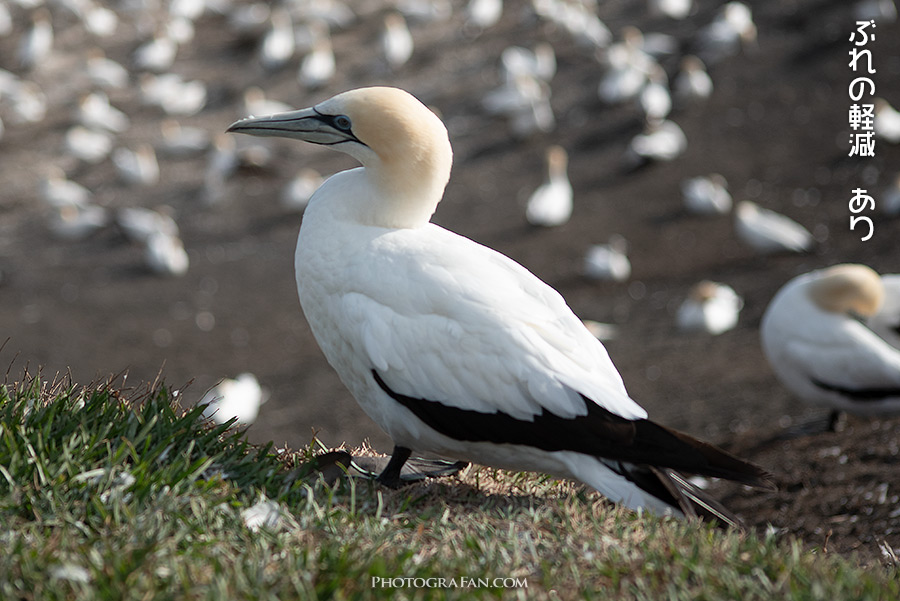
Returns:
(108,497)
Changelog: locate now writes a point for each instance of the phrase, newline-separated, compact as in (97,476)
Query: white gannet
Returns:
(883,11)
(164,254)
(886,322)
(296,194)
(396,40)
(99,20)
(172,94)
(180,141)
(140,223)
(137,167)
(95,112)
(655,101)
(453,348)
(256,103)
(58,191)
(551,203)
(239,398)
(77,222)
(318,66)
(483,14)
(706,195)
(157,54)
(821,352)
(769,232)
(660,141)
(608,261)
(710,307)
(692,83)
(37,43)
(27,102)
(278,44)
(731,29)
(539,63)
(887,121)
(88,145)
(674,9)
(104,72)
(890,197)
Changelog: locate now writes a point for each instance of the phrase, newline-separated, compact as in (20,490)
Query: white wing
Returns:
(448,320)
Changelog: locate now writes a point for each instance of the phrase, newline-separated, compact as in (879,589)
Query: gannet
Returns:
(139,223)
(710,307)
(172,94)
(278,45)
(104,72)
(692,82)
(660,141)
(95,112)
(886,322)
(730,30)
(706,195)
(654,99)
(164,254)
(37,43)
(239,398)
(157,54)
(137,167)
(551,203)
(887,121)
(77,222)
(882,11)
(674,9)
(453,348)
(179,141)
(768,232)
(608,261)
(296,194)
(890,197)
(483,14)
(821,352)
(58,191)
(88,145)
(396,40)
(539,63)
(318,66)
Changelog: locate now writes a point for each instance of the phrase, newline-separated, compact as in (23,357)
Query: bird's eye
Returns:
(342,122)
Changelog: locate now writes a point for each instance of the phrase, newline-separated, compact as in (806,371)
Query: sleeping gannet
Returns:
(453,348)
(821,352)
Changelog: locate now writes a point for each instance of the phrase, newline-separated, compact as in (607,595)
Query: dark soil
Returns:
(775,127)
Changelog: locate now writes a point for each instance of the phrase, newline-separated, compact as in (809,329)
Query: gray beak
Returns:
(308,125)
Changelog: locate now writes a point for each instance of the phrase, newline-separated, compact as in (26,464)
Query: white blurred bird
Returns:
(483,14)
(551,203)
(821,352)
(137,167)
(887,121)
(882,11)
(769,232)
(179,141)
(222,161)
(37,43)
(655,101)
(608,261)
(890,197)
(57,191)
(296,194)
(139,224)
(396,40)
(539,63)
(278,45)
(674,9)
(886,322)
(77,222)
(706,195)
(256,103)
(95,112)
(88,145)
(525,103)
(103,72)
(318,66)
(731,30)
(172,94)
(692,83)
(26,102)
(164,254)
(157,54)
(662,141)
(239,398)
(710,307)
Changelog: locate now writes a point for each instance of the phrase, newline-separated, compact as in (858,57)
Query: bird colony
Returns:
(131,115)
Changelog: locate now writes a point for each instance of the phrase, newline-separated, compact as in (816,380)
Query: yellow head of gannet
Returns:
(402,145)
(848,288)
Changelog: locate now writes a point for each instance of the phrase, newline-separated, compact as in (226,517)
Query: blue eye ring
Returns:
(342,122)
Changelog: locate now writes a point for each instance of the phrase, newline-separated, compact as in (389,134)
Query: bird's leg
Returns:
(390,477)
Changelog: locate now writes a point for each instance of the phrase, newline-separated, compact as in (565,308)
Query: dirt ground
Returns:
(775,127)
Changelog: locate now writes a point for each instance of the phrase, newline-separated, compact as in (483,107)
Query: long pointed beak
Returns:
(304,124)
